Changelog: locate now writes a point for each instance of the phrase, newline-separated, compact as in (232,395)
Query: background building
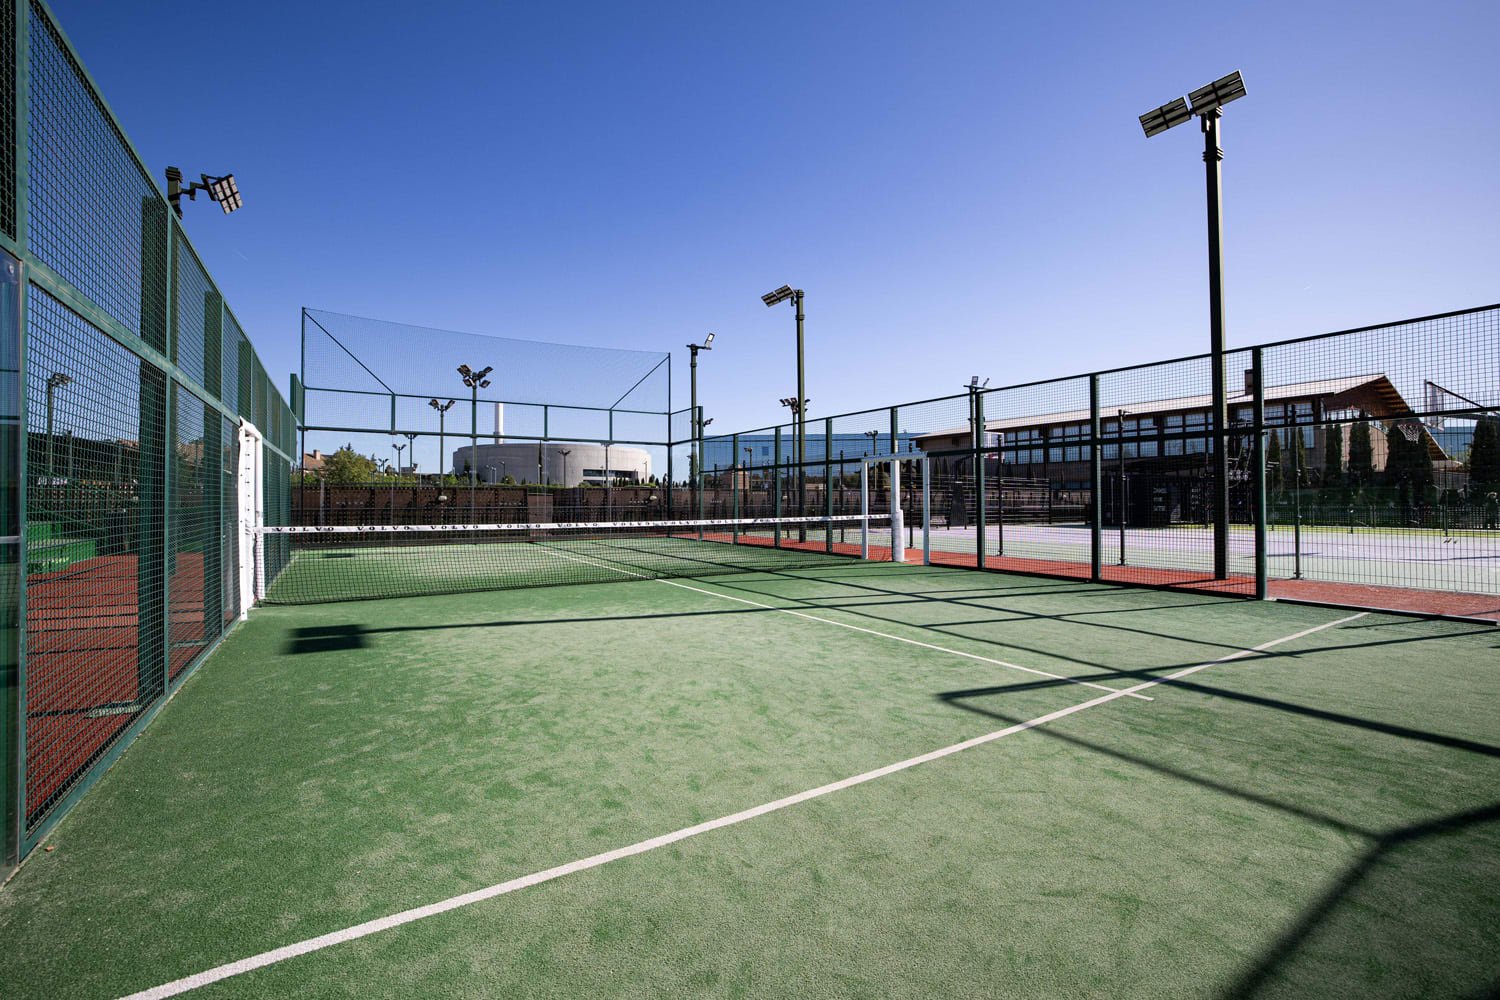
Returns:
(557,462)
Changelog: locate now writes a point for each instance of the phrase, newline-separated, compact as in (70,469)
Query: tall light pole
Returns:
(397,448)
(780,295)
(1208,103)
(442,409)
(475,380)
(55,381)
(565,452)
(696,418)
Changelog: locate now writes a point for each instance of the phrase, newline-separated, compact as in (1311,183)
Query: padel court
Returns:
(829,777)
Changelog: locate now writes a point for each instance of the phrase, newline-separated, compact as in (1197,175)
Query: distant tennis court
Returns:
(820,777)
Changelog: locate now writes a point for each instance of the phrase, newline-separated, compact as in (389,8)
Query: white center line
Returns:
(265,958)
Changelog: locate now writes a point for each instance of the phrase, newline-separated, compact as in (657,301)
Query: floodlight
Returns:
(777,297)
(57,380)
(485,384)
(485,372)
(1173,113)
(464,370)
(224,191)
(708,341)
(707,422)
(1217,94)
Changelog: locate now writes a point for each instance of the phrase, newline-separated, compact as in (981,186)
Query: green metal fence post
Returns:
(776,484)
(13,613)
(979,489)
(828,483)
(1096,476)
(735,473)
(1258,468)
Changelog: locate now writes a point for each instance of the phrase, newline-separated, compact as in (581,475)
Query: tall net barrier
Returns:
(1359,467)
(430,426)
(122,394)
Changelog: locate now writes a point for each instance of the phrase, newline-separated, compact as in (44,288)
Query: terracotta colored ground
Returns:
(81,663)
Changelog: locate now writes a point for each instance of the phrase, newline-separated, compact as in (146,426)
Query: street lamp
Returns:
(475,380)
(696,418)
(1208,103)
(565,452)
(442,409)
(780,295)
(55,381)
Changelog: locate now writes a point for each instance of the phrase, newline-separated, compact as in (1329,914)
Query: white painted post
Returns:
(898,520)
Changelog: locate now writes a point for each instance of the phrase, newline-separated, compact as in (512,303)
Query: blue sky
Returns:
(961,188)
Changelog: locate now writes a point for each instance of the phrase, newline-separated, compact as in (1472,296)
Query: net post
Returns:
(776,484)
(926,466)
(1096,475)
(898,524)
(864,509)
(1258,468)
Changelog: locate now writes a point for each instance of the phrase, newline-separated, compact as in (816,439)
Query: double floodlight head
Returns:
(791,402)
(223,190)
(57,380)
(974,382)
(779,296)
(1204,101)
(473,379)
(441,407)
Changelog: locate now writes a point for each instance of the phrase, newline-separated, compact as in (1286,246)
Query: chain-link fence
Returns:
(1362,468)
(124,379)
(427,426)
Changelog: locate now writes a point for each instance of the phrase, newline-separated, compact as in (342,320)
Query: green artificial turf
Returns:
(1321,820)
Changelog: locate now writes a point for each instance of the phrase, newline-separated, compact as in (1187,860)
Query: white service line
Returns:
(852,628)
(265,958)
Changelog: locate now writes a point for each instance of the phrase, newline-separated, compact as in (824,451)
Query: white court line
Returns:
(265,958)
(852,628)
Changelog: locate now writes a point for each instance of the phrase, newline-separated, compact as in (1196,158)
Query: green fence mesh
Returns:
(135,379)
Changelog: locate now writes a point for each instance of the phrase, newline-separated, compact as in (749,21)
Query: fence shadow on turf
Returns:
(1333,932)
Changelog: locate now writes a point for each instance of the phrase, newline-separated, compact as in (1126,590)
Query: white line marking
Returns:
(265,958)
(852,628)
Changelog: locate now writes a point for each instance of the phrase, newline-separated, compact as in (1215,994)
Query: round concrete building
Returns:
(544,461)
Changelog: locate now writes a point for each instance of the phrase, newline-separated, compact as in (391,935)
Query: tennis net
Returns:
(308,565)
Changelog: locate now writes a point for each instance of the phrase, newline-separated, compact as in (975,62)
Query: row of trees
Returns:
(1408,465)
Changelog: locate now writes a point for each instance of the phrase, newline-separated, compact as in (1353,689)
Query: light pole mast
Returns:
(782,294)
(1213,155)
(475,380)
(696,463)
(442,410)
(1208,104)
